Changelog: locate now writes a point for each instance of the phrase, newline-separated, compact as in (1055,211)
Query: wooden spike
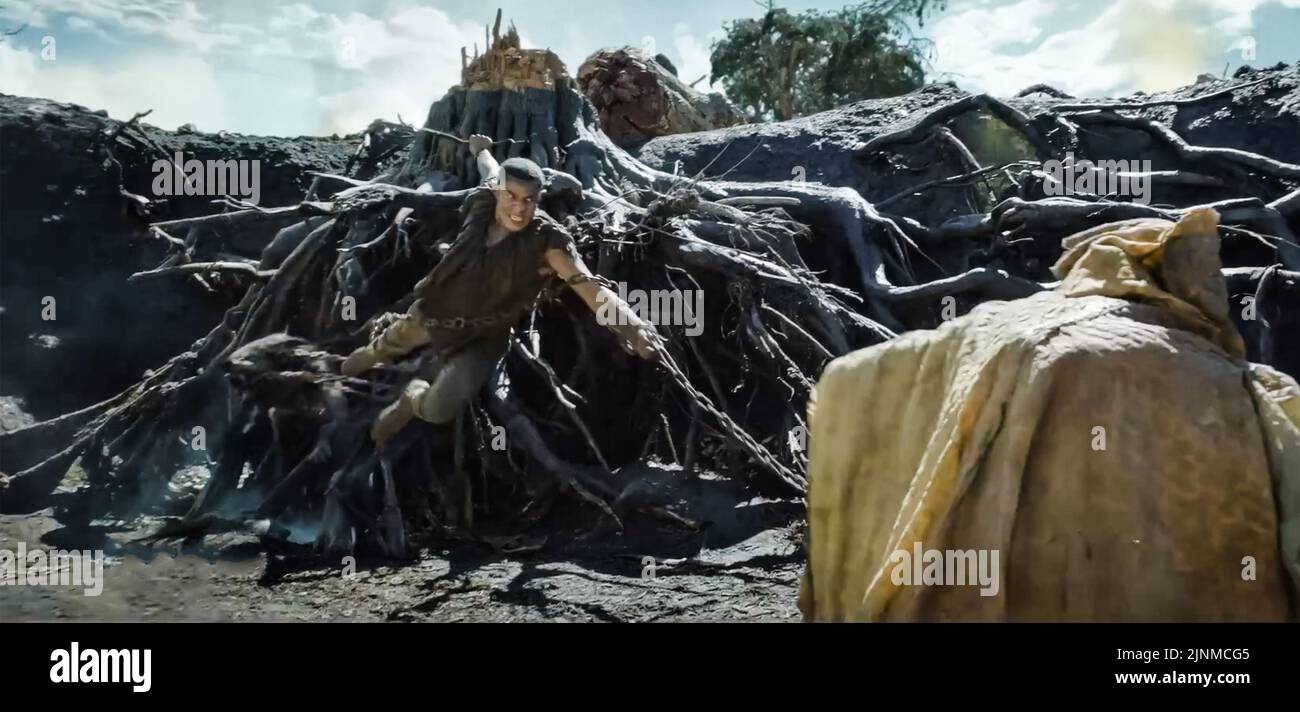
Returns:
(496,27)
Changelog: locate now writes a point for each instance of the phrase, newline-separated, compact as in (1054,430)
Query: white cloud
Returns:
(293,16)
(346,68)
(365,67)
(76,23)
(17,70)
(574,47)
(79,23)
(693,55)
(16,14)
(1127,45)
(973,44)
(188,92)
(1237,13)
(175,21)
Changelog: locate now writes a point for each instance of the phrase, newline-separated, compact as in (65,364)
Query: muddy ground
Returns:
(743,567)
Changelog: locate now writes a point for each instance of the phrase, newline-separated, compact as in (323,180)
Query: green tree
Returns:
(785,65)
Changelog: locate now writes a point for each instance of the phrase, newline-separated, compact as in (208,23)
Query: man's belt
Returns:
(473,322)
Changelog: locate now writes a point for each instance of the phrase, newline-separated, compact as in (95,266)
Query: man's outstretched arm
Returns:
(481,147)
(638,335)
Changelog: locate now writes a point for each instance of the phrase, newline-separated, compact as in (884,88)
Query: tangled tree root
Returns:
(792,275)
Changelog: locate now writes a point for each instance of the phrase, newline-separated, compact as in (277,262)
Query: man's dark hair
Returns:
(523,170)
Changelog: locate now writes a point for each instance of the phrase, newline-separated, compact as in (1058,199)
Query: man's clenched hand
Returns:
(642,339)
(479,142)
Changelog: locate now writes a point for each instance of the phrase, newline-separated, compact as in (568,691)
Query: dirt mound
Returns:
(68,233)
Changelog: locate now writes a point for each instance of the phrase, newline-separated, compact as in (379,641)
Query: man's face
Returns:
(516,203)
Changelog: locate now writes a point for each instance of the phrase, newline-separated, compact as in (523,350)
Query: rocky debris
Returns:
(731,576)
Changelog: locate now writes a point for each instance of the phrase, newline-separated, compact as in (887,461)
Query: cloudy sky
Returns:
(326,66)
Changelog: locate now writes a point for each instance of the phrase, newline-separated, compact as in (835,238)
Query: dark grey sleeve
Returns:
(555,237)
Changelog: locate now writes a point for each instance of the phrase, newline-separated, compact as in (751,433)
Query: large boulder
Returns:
(639,98)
